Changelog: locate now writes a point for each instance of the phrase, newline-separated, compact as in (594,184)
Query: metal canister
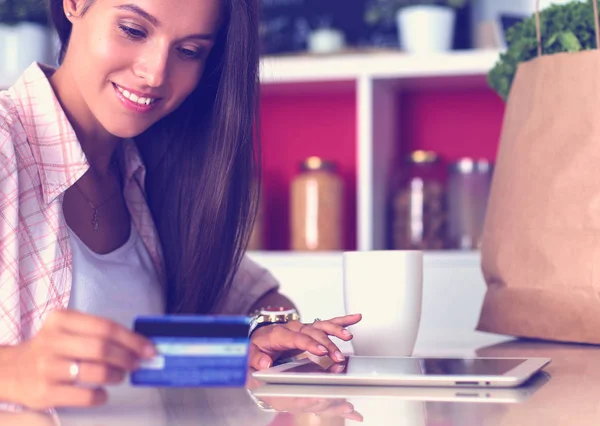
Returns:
(469,182)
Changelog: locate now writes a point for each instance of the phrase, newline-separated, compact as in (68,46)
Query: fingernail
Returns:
(357,417)
(348,409)
(149,352)
(322,348)
(346,333)
(338,355)
(265,363)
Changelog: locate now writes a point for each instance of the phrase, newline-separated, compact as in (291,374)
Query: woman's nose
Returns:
(152,67)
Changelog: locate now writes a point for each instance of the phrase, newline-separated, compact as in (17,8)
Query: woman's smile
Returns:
(136,101)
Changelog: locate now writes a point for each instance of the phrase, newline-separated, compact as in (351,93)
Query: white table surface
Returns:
(570,397)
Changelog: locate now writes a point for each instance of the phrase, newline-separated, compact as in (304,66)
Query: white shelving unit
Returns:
(377,78)
(375,65)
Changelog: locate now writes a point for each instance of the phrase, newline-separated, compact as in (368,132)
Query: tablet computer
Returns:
(488,395)
(407,371)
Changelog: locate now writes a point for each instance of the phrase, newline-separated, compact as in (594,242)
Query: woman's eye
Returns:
(132,33)
(190,54)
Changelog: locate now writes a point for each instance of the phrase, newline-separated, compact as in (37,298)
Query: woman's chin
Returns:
(126,132)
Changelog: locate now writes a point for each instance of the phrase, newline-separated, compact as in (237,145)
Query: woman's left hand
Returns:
(269,342)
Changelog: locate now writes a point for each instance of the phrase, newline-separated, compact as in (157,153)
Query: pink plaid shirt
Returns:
(40,158)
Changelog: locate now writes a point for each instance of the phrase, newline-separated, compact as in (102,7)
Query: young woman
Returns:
(126,181)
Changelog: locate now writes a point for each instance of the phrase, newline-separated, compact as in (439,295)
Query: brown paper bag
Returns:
(541,239)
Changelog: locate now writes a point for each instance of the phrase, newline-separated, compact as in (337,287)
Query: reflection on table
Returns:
(567,395)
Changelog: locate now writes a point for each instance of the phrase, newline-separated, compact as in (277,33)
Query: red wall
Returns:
(453,123)
(295,127)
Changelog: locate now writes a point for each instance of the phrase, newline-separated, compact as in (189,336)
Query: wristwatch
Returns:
(269,315)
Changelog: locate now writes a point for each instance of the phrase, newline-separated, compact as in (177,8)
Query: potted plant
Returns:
(423,25)
(564,28)
(24,37)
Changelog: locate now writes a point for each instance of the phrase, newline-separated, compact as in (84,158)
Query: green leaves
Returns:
(567,39)
(564,28)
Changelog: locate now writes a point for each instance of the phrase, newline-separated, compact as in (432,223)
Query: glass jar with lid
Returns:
(418,213)
(316,207)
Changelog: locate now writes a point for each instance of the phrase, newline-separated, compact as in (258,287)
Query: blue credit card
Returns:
(194,351)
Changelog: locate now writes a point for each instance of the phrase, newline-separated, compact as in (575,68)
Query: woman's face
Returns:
(135,61)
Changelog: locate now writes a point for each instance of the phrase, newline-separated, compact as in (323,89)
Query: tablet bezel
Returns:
(407,393)
(512,378)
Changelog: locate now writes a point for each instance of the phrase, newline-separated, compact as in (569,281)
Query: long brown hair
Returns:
(202,164)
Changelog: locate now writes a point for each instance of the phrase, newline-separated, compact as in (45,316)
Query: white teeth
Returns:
(135,98)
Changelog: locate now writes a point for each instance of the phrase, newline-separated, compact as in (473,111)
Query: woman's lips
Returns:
(134,102)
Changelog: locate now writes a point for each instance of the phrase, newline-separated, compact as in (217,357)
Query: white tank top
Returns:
(119,285)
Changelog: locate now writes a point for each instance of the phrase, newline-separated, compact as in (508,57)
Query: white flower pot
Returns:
(20,45)
(426,28)
(326,40)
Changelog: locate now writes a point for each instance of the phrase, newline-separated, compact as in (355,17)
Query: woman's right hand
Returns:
(40,371)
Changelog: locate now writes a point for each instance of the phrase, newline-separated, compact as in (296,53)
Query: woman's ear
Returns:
(73,8)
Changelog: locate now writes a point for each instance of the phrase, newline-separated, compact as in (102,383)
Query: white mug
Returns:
(386,287)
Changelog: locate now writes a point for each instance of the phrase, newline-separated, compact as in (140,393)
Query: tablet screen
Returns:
(412,366)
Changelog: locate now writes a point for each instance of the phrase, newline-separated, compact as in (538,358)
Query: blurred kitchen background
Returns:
(379,128)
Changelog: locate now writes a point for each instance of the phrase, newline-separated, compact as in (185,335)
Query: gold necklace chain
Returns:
(95,217)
